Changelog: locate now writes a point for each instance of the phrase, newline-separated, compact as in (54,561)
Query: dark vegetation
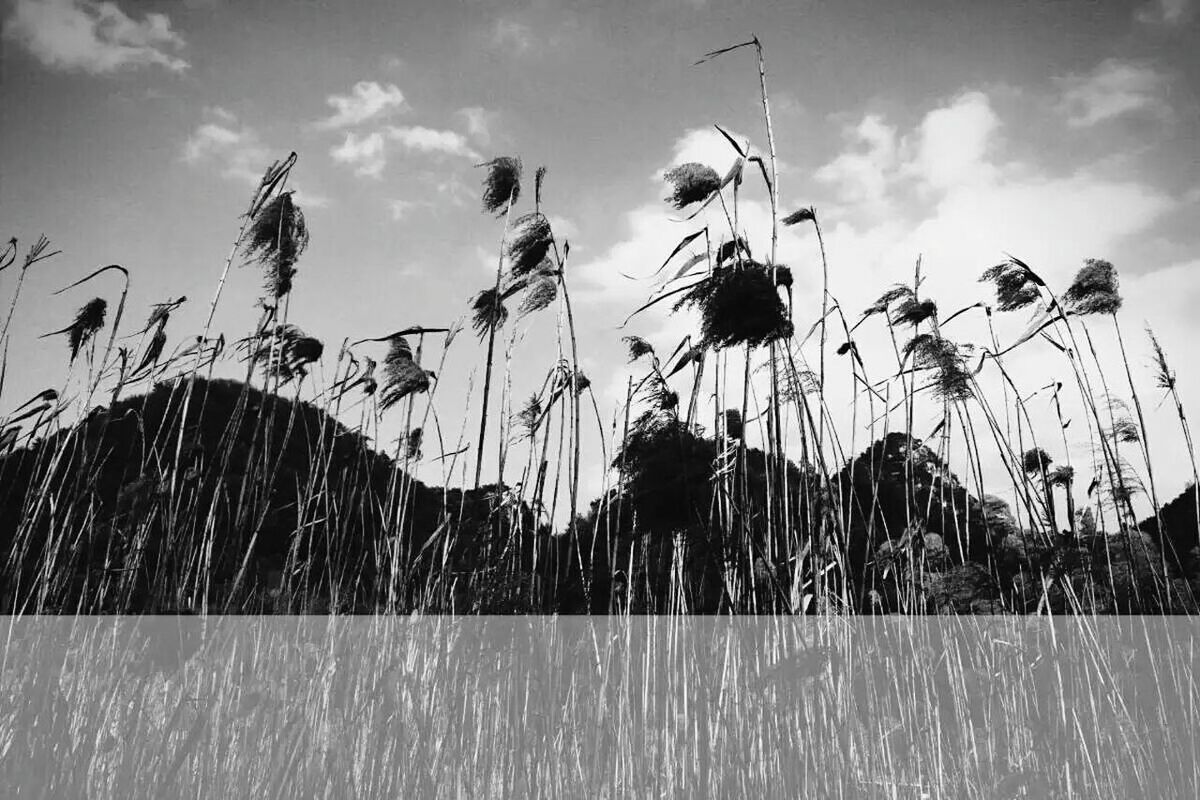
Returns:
(212,495)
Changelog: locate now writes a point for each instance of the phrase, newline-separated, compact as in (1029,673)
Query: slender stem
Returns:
(493,324)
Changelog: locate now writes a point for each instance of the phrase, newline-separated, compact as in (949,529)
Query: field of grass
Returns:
(961,707)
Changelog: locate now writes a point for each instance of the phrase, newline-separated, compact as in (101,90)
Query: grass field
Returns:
(664,706)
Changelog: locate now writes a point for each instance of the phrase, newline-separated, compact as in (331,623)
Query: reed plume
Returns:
(501,184)
(276,239)
(88,321)
(691,183)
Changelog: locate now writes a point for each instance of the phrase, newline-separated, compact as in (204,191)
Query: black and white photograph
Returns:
(599,398)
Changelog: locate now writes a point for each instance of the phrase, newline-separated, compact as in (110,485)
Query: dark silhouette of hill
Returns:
(1183,528)
(670,531)
(898,492)
(129,528)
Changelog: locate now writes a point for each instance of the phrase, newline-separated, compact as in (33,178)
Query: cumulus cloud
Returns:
(957,202)
(366,101)
(364,153)
(1113,89)
(223,140)
(946,149)
(951,144)
(860,174)
(94,37)
(706,146)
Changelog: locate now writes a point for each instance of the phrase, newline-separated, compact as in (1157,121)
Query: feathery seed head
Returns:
(881,305)
(638,347)
(530,243)
(541,293)
(501,183)
(1095,290)
(913,312)
(489,312)
(944,358)
(691,183)
(1034,460)
(277,238)
(738,306)
(796,217)
(402,376)
(88,321)
(1015,288)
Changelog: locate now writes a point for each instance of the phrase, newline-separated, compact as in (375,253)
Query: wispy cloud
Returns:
(238,152)
(510,35)
(366,101)
(1113,89)
(237,148)
(93,37)
(479,123)
(1163,12)
(369,153)
(399,208)
(364,153)
(428,140)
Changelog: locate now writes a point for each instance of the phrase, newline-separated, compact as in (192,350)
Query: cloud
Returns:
(239,152)
(959,217)
(366,101)
(364,153)
(454,190)
(94,37)
(508,34)
(860,175)
(428,140)
(951,144)
(1113,89)
(310,200)
(1163,12)
(479,123)
(399,208)
(704,146)
(946,149)
(223,140)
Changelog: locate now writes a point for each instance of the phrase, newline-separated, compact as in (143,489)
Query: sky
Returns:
(954,132)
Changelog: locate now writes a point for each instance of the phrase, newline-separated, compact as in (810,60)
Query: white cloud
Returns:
(366,101)
(95,37)
(861,174)
(960,215)
(948,148)
(479,123)
(951,144)
(364,153)
(1163,12)
(1113,89)
(454,190)
(399,208)
(428,140)
(237,148)
(508,34)
(704,146)
(563,228)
